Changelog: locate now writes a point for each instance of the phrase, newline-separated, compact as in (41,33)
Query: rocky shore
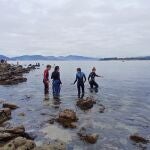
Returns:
(13,74)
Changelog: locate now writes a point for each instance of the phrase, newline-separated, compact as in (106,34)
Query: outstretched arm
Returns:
(75,80)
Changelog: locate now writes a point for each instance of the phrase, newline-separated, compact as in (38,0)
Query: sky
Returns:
(97,28)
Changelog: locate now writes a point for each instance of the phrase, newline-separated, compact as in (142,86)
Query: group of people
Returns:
(80,80)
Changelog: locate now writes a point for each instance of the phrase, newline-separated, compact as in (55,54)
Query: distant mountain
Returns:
(69,58)
(40,57)
(4,57)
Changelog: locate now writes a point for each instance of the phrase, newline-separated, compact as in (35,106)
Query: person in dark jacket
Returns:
(80,79)
(91,79)
(56,82)
(46,79)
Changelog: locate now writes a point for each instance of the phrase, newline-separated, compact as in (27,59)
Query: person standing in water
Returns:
(80,79)
(46,79)
(91,79)
(56,82)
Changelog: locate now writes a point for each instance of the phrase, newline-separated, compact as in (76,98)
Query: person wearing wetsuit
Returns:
(80,79)
(46,79)
(91,79)
(56,82)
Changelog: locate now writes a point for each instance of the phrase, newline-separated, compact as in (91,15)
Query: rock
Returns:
(14,80)
(56,145)
(22,114)
(7,134)
(67,118)
(88,137)
(86,104)
(11,74)
(5,114)
(138,139)
(11,106)
(16,130)
(19,143)
(51,121)
(102,108)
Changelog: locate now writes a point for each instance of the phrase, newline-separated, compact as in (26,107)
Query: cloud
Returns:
(92,28)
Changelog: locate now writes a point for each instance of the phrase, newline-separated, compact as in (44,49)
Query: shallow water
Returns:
(124,90)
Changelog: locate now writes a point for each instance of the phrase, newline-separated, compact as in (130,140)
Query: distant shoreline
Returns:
(70,58)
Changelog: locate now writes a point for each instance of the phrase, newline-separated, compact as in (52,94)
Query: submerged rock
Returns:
(11,106)
(67,118)
(19,143)
(102,108)
(86,104)
(88,137)
(56,145)
(138,139)
(5,114)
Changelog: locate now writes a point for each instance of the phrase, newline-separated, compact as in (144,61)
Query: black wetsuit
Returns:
(80,79)
(91,79)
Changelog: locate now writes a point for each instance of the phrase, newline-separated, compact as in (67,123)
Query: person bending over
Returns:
(91,79)
(80,79)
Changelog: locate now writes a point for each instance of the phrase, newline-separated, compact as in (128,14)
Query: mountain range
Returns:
(69,57)
(40,57)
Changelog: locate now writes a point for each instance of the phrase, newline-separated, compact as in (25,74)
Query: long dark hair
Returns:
(56,68)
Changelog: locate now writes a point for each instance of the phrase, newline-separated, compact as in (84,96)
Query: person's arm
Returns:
(84,78)
(97,75)
(89,77)
(75,79)
(52,76)
(59,77)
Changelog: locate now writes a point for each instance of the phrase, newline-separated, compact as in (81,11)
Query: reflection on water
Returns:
(124,90)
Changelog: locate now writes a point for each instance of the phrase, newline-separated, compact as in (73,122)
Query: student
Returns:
(91,79)
(56,82)
(46,79)
(80,79)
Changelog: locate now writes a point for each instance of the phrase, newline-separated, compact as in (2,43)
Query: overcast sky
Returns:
(101,28)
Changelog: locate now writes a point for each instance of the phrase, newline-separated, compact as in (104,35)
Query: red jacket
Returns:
(46,75)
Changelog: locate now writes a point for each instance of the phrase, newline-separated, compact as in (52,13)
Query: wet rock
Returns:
(138,139)
(86,104)
(56,145)
(5,114)
(7,134)
(88,137)
(16,130)
(22,114)
(11,106)
(19,143)
(12,74)
(67,118)
(14,80)
(51,121)
(102,108)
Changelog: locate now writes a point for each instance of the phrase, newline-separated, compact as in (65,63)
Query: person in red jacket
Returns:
(46,79)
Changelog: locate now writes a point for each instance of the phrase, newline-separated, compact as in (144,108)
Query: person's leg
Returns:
(82,86)
(78,87)
(53,88)
(95,84)
(57,88)
(91,84)
(46,88)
